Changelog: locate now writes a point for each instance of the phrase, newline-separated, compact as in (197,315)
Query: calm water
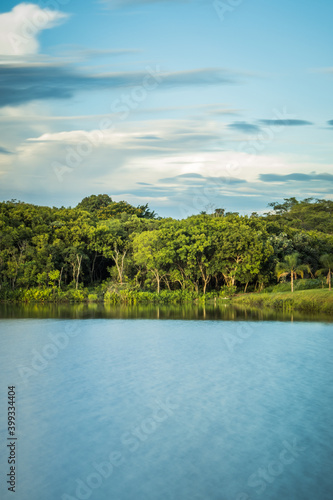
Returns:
(211,311)
(168,410)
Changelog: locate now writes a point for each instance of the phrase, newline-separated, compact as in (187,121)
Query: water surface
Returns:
(169,410)
(191,311)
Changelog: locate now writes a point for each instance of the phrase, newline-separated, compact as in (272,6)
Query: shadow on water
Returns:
(226,312)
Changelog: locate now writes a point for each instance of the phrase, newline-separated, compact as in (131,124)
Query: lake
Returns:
(215,404)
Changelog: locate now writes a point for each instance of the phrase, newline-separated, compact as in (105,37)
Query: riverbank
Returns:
(317,301)
(116,296)
(310,301)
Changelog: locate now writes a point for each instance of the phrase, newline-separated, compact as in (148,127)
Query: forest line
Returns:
(102,247)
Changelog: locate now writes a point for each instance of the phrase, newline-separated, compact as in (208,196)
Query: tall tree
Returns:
(326,261)
(291,266)
(150,250)
(95,202)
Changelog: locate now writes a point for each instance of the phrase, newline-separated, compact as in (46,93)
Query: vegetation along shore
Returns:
(109,251)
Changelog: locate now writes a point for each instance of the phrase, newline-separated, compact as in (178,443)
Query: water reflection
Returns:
(226,312)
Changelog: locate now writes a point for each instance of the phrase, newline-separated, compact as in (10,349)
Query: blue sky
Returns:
(186,105)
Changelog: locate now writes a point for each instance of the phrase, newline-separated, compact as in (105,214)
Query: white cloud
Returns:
(19,28)
(66,166)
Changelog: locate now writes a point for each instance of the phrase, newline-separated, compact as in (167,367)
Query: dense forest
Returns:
(103,249)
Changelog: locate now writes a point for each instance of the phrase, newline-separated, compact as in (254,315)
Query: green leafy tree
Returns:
(242,249)
(94,202)
(291,266)
(116,209)
(326,261)
(145,212)
(54,277)
(151,251)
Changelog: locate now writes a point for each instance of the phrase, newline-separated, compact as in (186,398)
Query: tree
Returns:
(242,247)
(308,214)
(95,202)
(73,247)
(116,209)
(200,250)
(281,208)
(327,262)
(109,238)
(291,265)
(150,249)
(53,277)
(191,244)
(145,212)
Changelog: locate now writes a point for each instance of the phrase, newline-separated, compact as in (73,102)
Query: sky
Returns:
(187,105)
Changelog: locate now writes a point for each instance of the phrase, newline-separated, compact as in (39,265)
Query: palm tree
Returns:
(292,266)
(327,262)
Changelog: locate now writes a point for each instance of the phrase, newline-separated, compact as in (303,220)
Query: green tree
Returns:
(242,249)
(110,239)
(94,202)
(291,265)
(150,250)
(326,261)
(116,209)
(145,212)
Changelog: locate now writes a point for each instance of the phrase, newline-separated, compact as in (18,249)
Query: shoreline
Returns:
(311,301)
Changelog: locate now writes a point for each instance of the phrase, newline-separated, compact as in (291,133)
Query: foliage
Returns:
(308,214)
(291,266)
(326,261)
(113,251)
(310,301)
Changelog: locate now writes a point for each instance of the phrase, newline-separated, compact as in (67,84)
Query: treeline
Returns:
(109,246)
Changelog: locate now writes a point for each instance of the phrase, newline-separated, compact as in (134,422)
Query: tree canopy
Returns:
(105,241)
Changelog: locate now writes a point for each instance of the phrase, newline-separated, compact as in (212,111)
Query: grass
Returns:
(115,295)
(320,300)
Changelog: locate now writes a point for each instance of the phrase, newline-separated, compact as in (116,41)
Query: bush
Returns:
(299,284)
(227,291)
(92,297)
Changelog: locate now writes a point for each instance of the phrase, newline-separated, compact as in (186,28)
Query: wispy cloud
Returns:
(328,70)
(78,53)
(245,128)
(299,177)
(285,123)
(176,174)
(189,179)
(26,82)
(4,151)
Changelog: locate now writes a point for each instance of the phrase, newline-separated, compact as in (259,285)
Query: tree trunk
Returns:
(167,283)
(205,277)
(158,280)
(292,281)
(79,260)
(137,281)
(119,263)
(74,272)
(329,280)
(92,272)
(247,283)
(59,282)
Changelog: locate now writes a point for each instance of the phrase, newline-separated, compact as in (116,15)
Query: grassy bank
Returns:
(303,301)
(113,296)
(310,300)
